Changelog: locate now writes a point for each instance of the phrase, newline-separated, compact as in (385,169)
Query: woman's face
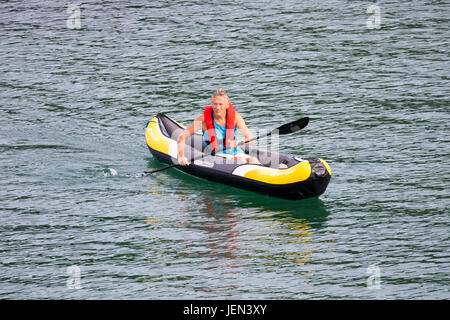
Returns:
(219,104)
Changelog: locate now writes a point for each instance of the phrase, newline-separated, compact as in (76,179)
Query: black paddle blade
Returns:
(293,126)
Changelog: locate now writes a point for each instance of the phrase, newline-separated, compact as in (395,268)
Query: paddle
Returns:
(287,128)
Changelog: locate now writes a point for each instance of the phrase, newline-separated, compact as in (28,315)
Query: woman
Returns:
(219,123)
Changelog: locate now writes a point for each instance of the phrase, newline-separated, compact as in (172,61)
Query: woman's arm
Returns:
(240,124)
(194,127)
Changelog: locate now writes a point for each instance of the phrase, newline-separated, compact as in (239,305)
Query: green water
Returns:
(74,103)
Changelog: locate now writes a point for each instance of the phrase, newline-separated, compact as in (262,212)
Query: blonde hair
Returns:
(220,93)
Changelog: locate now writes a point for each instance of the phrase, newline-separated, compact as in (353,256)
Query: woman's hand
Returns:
(183,161)
(235,144)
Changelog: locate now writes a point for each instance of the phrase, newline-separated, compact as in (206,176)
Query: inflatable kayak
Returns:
(295,179)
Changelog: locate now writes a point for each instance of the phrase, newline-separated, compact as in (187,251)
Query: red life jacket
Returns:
(209,121)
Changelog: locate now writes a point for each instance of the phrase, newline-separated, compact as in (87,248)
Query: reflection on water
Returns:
(222,241)
(228,234)
(313,209)
(265,237)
